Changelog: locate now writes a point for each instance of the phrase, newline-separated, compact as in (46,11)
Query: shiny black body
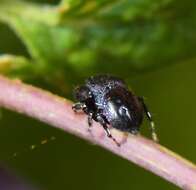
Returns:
(107,100)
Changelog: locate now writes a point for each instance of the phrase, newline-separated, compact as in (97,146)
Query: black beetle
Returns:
(107,100)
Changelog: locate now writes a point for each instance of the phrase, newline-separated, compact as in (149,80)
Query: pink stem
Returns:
(57,112)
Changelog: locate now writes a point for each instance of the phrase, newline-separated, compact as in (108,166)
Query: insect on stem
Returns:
(107,100)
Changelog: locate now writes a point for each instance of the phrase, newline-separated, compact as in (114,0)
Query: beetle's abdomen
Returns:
(123,110)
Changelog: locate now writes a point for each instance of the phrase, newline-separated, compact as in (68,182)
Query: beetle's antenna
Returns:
(153,132)
(149,116)
(152,125)
(34,146)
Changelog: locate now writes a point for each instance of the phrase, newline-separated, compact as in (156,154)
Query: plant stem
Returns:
(57,111)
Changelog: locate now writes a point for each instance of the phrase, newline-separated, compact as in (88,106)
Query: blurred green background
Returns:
(57,44)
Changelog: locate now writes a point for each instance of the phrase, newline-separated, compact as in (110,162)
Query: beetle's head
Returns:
(82,93)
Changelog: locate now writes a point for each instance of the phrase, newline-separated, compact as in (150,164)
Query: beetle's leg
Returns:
(101,120)
(90,119)
(78,106)
(149,116)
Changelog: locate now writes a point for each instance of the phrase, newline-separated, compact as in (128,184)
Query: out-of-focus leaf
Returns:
(47,43)
(84,37)
(139,33)
(15,66)
(27,10)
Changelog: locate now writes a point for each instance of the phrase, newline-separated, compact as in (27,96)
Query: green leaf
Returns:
(78,37)
(15,65)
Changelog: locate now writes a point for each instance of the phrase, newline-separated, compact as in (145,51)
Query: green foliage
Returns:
(76,38)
